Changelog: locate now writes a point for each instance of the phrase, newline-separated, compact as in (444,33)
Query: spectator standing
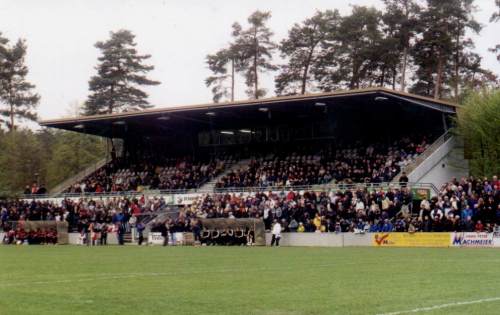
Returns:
(403,179)
(140,227)
(276,231)
(104,234)
(164,232)
(121,233)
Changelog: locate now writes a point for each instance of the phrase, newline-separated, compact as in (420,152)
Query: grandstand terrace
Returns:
(367,135)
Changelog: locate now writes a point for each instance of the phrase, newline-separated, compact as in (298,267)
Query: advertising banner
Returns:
(411,239)
(186,199)
(496,239)
(155,238)
(421,193)
(471,239)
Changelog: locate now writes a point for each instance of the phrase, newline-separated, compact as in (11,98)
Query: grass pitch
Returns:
(232,280)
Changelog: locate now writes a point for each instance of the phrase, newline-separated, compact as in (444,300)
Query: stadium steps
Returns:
(444,160)
(127,237)
(410,168)
(210,185)
(60,188)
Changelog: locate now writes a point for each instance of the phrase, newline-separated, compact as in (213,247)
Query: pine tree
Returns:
(401,20)
(120,74)
(255,47)
(218,63)
(438,51)
(301,49)
(495,17)
(352,54)
(17,99)
(224,65)
(473,77)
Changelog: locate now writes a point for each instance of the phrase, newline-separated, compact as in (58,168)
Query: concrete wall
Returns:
(451,155)
(351,239)
(322,239)
(74,238)
(308,239)
(452,165)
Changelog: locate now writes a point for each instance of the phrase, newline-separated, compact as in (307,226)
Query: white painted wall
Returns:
(442,165)
(322,239)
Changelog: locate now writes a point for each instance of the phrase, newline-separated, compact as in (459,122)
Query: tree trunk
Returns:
(355,74)
(232,79)
(394,73)
(306,70)
(11,105)
(403,69)
(457,61)
(111,101)
(437,87)
(382,77)
(11,128)
(256,77)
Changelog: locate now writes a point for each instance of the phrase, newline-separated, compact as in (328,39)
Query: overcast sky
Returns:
(177,33)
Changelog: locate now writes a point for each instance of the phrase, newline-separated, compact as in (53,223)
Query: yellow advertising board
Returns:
(411,239)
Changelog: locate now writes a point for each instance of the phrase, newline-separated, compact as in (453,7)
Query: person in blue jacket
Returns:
(387,227)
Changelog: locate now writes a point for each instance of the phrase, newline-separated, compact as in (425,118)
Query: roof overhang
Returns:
(156,120)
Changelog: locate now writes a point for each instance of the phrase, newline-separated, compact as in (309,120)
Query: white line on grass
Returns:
(438,307)
(151,274)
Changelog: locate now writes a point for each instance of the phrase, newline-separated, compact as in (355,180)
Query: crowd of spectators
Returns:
(92,218)
(379,162)
(462,205)
(467,205)
(170,174)
(309,164)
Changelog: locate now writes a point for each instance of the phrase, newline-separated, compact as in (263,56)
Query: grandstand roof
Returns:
(152,121)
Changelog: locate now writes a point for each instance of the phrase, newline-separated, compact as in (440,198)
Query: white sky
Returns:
(178,34)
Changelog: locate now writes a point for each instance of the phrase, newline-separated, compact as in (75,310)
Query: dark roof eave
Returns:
(212,106)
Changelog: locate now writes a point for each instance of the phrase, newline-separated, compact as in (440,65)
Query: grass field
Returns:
(228,280)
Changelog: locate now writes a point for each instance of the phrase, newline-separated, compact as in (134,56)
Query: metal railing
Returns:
(319,187)
(424,155)
(79,176)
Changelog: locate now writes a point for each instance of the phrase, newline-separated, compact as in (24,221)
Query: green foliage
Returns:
(46,156)
(439,51)
(425,40)
(401,20)
(352,53)
(479,125)
(120,73)
(71,153)
(302,49)
(17,99)
(21,157)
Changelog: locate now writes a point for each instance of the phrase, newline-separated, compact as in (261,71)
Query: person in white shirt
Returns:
(276,231)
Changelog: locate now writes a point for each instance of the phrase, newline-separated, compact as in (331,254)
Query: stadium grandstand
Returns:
(369,160)
(361,136)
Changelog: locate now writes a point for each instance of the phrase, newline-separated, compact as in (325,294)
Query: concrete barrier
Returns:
(351,239)
(308,239)
(74,239)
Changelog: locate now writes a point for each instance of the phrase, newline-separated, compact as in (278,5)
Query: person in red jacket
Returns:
(21,235)
(479,226)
